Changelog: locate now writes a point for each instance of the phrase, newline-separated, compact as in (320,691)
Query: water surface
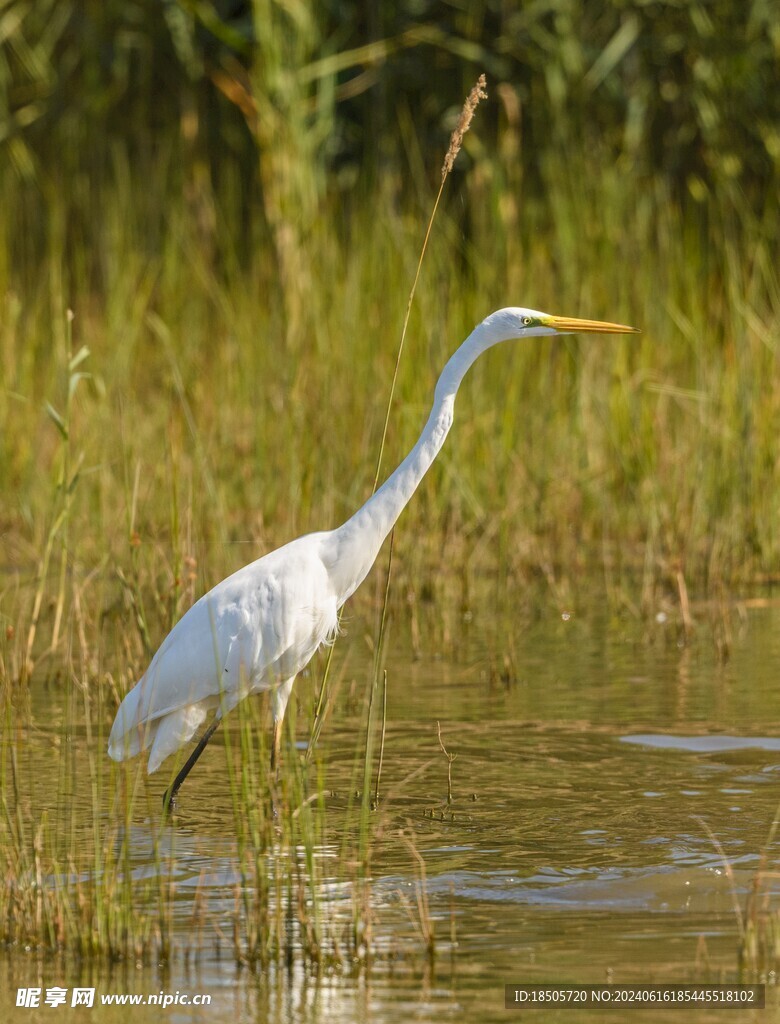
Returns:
(593,765)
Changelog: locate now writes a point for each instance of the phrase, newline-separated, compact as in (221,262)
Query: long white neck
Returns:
(352,549)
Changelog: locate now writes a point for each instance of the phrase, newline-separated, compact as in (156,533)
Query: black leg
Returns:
(169,797)
(276,743)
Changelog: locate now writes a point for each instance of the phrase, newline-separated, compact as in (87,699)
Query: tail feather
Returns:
(164,735)
(174,730)
(129,736)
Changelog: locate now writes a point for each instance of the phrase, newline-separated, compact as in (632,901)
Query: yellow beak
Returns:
(571,324)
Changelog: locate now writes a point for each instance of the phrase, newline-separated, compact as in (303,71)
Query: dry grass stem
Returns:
(729,873)
(450,758)
(479,92)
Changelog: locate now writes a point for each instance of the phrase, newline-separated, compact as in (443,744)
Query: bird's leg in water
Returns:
(279,699)
(169,797)
(276,744)
(273,778)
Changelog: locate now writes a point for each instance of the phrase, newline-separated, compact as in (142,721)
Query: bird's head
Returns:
(517,322)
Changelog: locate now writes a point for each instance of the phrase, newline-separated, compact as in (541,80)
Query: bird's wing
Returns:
(187,670)
(259,626)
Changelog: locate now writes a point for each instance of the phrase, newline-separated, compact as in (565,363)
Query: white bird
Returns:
(258,628)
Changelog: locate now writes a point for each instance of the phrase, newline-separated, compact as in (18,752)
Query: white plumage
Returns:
(255,630)
(258,628)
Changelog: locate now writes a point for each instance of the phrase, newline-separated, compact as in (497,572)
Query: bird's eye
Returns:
(527,321)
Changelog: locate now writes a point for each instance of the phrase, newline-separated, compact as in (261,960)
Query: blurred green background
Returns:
(211,218)
(231,198)
(209,100)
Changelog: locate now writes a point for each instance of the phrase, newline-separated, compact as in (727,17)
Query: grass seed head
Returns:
(478,92)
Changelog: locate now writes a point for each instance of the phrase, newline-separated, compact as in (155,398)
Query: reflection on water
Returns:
(575,848)
(706,744)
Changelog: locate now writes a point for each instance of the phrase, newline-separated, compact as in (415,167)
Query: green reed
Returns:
(91,865)
(628,459)
(232,406)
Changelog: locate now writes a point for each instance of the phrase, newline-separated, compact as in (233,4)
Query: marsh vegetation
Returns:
(205,261)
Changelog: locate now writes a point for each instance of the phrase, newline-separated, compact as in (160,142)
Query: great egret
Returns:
(259,627)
